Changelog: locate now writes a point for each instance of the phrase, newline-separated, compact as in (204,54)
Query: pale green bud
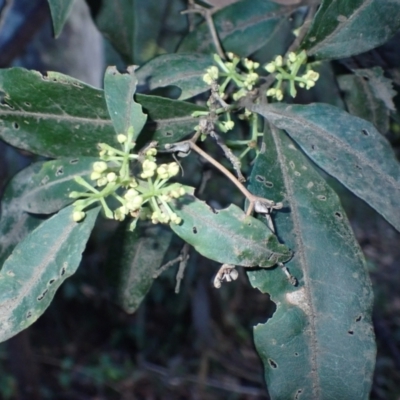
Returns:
(74,195)
(279,95)
(271,92)
(78,216)
(292,57)
(102,181)
(173,169)
(149,165)
(95,175)
(279,61)
(100,166)
(270,67)
(130,194)
(111,177)
(121,138)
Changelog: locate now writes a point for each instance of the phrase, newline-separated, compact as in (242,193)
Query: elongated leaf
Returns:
(242,27)
(50,187)
(141,29)
(60,10)
(62,117)
(136,257)
(38,266)
(185,71)
(323,325)
(169,120)
(369,95)
(343,28)
(348,148)
(124,111)
(52,115)
(228,235)
(15,223)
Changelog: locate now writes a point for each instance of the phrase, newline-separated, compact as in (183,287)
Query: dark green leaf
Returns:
(368,95)
(243,27)
(62,117)
(60,10)
(15,223)
(323,325)
(50,187)
(53,114)
(343,28)
(348,148)
(169,120)
(182,70)
(124,111)
(138,29)
(137,256)
(38,266)
(227,236)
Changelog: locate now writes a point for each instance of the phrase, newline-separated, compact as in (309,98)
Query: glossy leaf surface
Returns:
(343,28)
(50,187)
(185,71)
(243,27)
(227,235)
(124,111)
(63,117)
(137,256)
(38,266)
(322,325)
(369,95)
(60,10)
(348,148)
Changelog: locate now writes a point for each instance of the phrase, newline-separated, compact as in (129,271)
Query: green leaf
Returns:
(343,28)
(243,27)
(169,120)
(137,256)
(227,236)
(50,187)
(141,29)
(38,266)
(60,10)
(346,147)
(322,325)
(185,71)
(15,223)
(124,111)
(60,116)
(369,95)
(53,114)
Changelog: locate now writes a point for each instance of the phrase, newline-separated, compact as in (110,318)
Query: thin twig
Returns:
(207,15)
(182,266)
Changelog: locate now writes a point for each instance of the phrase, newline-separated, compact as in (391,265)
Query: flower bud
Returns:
(121,138)
(99,166)
(111,177)
(270,67)
(279,95)
(78,216)
(279,61)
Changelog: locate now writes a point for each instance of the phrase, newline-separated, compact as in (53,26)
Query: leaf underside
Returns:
(38,266)
(227,235)
(319,344)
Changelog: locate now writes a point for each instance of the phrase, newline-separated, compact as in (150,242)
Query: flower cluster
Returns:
(229,71)
(144,195)
(287,69)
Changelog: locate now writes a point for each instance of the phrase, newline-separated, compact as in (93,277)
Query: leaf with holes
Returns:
(63,117)
(324,322)
(169,120)
(346,147)
(243,28)
(227,236)
(343,28)
(53,114)
(38,266)
(369,95)
(60,10)
(136,256)
(124,111)
(185,71)
(15,223)
(50,187)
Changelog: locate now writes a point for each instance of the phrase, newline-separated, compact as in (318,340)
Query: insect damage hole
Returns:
(28,315)
(74,161)
(358,319)
(168,134)
(338,215)
(350,332)
(260,178)
(41,297)
(298,394)
(15,125)
(272,363)
(365,132)
(60,171)
(51,281)
(194,229)
(321,197)
(268,184)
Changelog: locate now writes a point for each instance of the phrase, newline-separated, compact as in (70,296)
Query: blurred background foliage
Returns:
(196,344)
